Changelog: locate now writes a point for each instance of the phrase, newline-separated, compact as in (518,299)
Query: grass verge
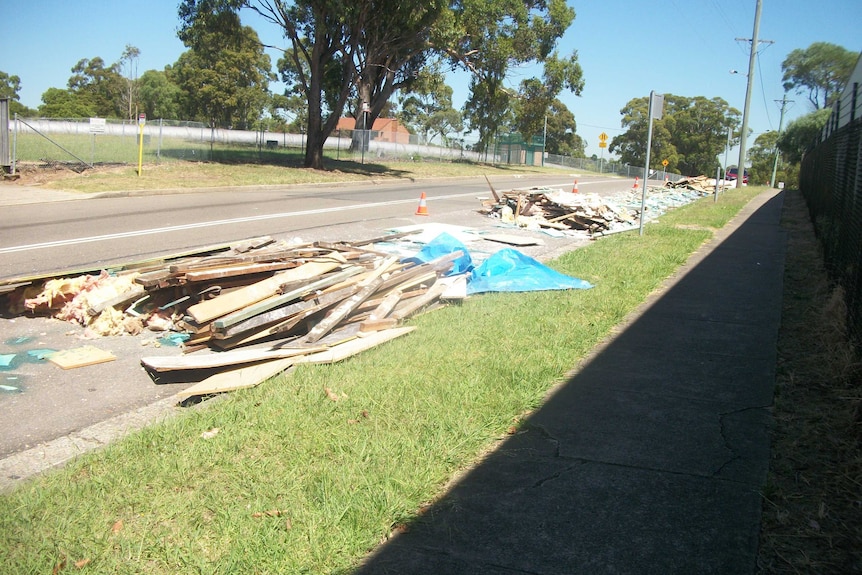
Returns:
(294,482)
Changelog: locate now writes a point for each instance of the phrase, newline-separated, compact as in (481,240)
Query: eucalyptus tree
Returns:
(821,69)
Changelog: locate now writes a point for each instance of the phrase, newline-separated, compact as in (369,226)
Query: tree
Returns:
(562,137)
(490,37)
(224,76)
(59,103)
(802,134)
(101,88)
(129,63)
(692,132)
(821,69)
(9,88)
(158,96)
(427,108)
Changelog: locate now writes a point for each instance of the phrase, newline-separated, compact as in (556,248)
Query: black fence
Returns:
(831,181)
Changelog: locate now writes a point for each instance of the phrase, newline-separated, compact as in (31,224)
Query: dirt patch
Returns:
(812,509)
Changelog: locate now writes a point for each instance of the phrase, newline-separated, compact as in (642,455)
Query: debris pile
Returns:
(539,208)
(246,293)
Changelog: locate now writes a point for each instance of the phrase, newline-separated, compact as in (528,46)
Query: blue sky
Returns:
(626,48)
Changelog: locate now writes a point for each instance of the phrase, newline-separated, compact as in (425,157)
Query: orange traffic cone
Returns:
(422,210)
(636,183)
(575,187)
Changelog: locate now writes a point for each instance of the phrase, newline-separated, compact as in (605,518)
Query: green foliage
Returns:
(562,137)
(427,107)
(57,103)
(490,37)
(692,132)
(158,96)
(224,76)
(9,88)
(821,69)
(802,133)
(99,87)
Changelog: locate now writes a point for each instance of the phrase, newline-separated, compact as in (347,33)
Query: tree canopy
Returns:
(821,69)
(10,85)
(802,133)
(691,134)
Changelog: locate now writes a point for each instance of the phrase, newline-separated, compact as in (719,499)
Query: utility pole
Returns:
(784,101)
(740,176)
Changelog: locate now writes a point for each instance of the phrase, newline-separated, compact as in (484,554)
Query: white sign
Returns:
(97,125)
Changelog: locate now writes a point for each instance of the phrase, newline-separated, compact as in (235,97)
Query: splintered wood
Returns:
(550,208)
(250,310)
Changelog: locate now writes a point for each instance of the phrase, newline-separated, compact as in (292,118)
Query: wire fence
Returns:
(91,141)
(831,182)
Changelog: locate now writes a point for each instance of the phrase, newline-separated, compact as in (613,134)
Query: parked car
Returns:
(733,173)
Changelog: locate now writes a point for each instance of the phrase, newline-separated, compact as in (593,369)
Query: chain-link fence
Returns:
(91,141)
(831,181)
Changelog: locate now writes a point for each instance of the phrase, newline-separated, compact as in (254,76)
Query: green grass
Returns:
(413,413)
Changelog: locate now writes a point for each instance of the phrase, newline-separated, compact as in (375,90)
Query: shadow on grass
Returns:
(649,459)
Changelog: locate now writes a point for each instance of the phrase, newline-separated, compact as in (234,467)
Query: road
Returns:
(95,233)
(48,414)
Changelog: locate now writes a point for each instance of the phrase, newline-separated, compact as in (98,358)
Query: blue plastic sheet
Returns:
(511,271)
(443,245)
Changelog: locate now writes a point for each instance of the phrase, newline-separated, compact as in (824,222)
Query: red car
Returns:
(733,172)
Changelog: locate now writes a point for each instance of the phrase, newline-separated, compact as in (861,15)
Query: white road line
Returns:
(151,231)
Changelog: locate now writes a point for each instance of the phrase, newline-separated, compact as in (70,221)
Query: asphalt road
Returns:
(94,233)
(48,414)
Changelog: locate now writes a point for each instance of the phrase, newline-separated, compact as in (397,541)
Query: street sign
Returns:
(142,119)
(97,125)
(664,163)
(603,137)
(603,144)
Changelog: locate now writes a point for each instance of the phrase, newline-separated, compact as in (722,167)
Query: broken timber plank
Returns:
(236,270)
(234,379)
(227,303)
(225,358)
(354,346)
(416,303)
(123,298)
(278,300)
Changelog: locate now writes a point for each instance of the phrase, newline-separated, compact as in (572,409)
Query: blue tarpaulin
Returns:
(507,270)
(443,245)
(511,271)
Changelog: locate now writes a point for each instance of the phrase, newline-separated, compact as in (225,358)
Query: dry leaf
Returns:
(288,524)
(330,394)
(117,527)
(209,434)
(81,563)
(512,430)
(59,566)
(269,513)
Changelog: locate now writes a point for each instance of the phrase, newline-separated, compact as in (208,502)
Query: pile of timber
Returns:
(700,184)
(254,291)
(557,209)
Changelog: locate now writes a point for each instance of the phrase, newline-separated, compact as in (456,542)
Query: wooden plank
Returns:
(416,303)
(227,303)
(225,358)
(341,311)
(493,191)
(370,325)
(80,357)
(279,300)
(354,346)
(512,240)
(236,270)
(234,379)
(123,298)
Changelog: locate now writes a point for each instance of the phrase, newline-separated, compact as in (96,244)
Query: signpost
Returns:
(142,120)
(97,126)
(603,143)
(664,164)
(656,110)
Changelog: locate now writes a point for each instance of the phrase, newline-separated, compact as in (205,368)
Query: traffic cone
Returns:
(575,187)
(636,183)
(422,210)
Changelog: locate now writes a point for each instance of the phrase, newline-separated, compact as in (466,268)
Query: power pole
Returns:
(751,61)
(784,101)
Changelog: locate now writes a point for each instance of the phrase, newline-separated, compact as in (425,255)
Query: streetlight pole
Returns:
(783,101)
(740,174)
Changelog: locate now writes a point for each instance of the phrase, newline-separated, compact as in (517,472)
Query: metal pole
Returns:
(646,168)
(15,145)
(784,101)
(740,176)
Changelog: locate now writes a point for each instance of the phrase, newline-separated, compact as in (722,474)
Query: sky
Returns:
(626,48)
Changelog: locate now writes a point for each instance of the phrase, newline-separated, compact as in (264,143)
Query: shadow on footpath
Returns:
(649,459)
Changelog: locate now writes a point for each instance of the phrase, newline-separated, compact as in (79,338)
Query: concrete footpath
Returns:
(651,457)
